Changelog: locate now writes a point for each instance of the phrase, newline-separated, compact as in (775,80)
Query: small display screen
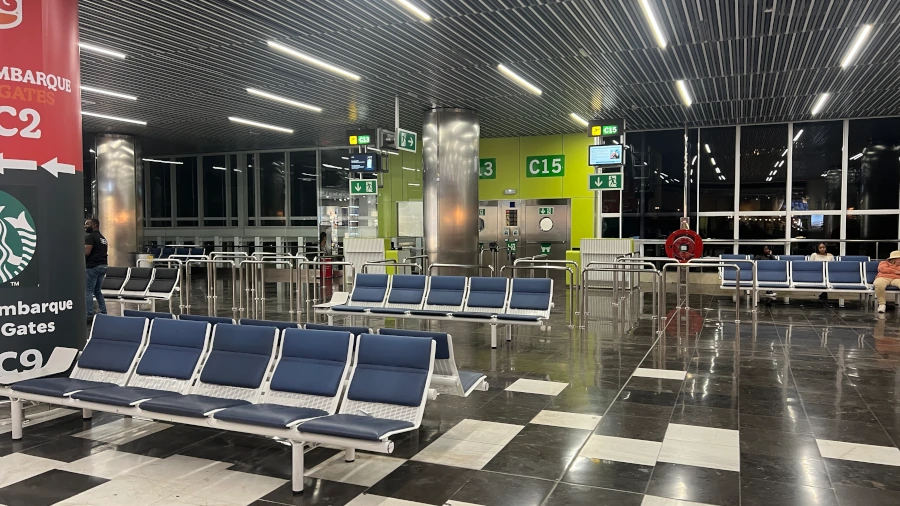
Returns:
(364,162)
(605,155)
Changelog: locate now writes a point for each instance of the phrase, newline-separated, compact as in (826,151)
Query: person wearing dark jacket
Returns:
(95,259)
(767,255)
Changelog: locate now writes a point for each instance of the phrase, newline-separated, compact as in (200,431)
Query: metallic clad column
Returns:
(450,185)
(117,197)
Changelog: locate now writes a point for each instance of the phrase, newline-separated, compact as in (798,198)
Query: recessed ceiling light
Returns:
(106,92)
(419,13)
(161,161)
(512,76)
(820,103)
(683,91)
(101,50)
(655,27)
(798,135)
(578,119)
(313,61)
(856,47)
(301,105)
(583,52)
(260,125)
(114,118)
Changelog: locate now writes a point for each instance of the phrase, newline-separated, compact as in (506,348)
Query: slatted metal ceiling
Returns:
(745,61)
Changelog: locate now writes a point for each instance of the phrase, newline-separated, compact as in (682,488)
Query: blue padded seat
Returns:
(469,379)
(356,331)
(349,309)
(871,270)
(389,310)
(772,273)
(429,312)
(729,273)
(810,274)
(369,288)
(212,320)
(472,314)
(519,317)
(114,342)
(446,291)
(441,341)
(120,396)
(391,369)
(268,323)
(407,289)
(853,258)
(487,293)
(56,387)
(191,405)
(530,294)
(275,416)
(792,258)
(354,426)
(150,315)
(845,275)
(239,358)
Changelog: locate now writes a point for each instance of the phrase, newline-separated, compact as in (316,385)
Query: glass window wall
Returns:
(186,192)
(873,155)
(763,168)
(214,190)
(816,166)
(303,187)
(271,188)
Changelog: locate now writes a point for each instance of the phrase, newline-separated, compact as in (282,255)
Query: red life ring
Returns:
(683,245)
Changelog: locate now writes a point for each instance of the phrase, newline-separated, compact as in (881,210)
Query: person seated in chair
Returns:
(888,275)
(767,255)
(822,255)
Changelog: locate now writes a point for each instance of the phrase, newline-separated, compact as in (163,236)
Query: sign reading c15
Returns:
(611,181)
(407,140)
(487,168)
(545,166)
(606,128)
(363,187)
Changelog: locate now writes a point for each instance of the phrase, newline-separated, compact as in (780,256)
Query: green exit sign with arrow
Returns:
(611,181)
(407,140)
(545,210)
(363,187)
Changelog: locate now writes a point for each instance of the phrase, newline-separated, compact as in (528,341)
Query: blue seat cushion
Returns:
(851,287)
(350,309)
(469,379)
(354,426)
(56,387)
(120,396)
(429,312)
(192,405)
(473,314)
(772,285)
(267,415)
(519,317)
(388,310)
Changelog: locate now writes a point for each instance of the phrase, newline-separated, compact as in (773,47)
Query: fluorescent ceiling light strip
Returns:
(718,171)
(861,35)
(694,160)
(101,50)
(820,103)
(785,153)
(578,119)
(161,161)
(332,166)
(110,93)
(683,91)
(313,61)
(260,125)
(857,156)
(417,12)
(301,105)
(706,147)
(516,78)
(219,168)
(798,135)
(654,24)
(114,118)
(712,161)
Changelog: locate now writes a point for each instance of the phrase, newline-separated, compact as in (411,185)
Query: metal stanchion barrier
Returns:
(711,263)
(391,263)
(423,265)
(255,273)
(539,262)
(614,266)
(571,288)
(211,270)
(478,268)
(349,275)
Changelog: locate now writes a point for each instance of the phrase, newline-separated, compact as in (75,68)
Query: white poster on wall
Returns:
(409,219)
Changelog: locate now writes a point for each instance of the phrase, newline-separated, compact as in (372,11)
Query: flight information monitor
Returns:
(364,162)
(605,155)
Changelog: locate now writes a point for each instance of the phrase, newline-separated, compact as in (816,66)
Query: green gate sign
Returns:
(545,166)
(487,168)
(605,181)
(407,140)
(545,248)
(363,187)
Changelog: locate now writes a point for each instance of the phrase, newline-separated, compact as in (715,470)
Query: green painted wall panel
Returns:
(506,151)
(575,184)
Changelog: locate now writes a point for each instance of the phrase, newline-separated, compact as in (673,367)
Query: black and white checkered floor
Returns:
(801,408)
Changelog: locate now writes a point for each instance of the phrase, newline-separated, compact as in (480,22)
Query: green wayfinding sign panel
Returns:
(611,181)
(545,166)
(407,140)
(363,187)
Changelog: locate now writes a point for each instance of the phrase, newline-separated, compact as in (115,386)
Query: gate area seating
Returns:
(253,379)
(141,285)
(496,301)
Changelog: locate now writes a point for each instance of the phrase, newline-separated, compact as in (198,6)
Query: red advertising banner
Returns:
(40,106)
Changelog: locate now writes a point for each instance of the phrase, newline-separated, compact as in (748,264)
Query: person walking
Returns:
(95,258)
(888,275)
(822,255)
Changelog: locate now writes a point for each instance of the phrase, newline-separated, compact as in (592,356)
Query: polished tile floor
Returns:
(799,407)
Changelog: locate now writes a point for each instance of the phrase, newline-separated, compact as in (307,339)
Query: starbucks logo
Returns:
(18,238)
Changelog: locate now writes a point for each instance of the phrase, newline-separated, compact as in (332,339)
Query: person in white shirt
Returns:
(822,255)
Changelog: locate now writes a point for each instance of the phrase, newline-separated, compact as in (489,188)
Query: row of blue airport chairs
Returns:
(802,275)
(447,378)
(167,251)
(140,285)
(799,258)
(252,379)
